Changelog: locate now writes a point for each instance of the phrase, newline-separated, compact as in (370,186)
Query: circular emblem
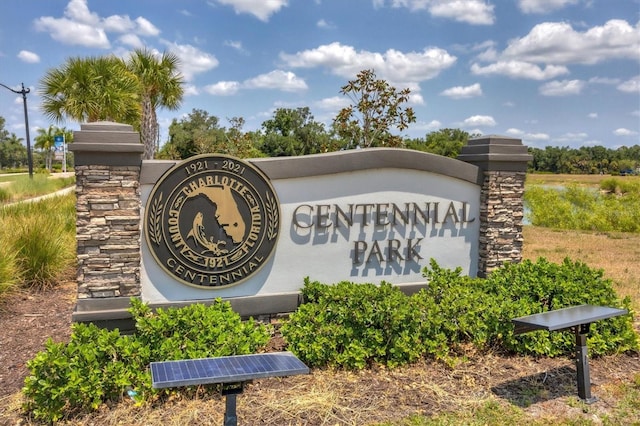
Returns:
(212,221)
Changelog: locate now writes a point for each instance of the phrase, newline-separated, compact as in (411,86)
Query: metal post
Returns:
(24,92)
(582,364)
(64,154)
(230,416)
(231,391)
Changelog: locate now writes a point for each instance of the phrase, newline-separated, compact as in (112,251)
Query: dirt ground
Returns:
(544,388)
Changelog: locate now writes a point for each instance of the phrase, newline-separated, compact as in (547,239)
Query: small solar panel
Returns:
(226,369)
(561,319)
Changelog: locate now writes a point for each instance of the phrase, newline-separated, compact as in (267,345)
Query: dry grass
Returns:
(618,254)
(521,389)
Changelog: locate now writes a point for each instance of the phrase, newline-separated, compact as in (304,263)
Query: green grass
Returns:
(615,206)
(37,243)
(22,187)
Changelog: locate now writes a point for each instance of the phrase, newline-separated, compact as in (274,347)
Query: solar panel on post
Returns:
(228,369)
(235,369)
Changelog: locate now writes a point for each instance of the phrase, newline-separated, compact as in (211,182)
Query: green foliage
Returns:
(201,133)
(9,271)
(41,238)
(94,367)
(91,89)
(573,207)
(529,288)
(295,132)
(160,86)
(196,331)
(445,142)
(99,366)
(23,186)
(620,186)
(375,112)
(353,325)
(584,160)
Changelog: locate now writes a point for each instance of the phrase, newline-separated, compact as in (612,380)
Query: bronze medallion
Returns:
(212,221)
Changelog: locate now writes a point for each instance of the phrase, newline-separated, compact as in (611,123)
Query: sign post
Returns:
(61,151)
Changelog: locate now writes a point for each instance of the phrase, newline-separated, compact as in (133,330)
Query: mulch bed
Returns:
(541,386)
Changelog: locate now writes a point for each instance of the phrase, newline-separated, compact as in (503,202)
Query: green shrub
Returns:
(99,366)
(529,288)
(456,309)
(352,325)
(94,367)
(196,331)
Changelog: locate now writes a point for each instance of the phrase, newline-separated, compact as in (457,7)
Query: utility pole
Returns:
(24,92)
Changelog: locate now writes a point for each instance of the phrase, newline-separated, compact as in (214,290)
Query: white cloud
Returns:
(73,33)
(261,9)
(79,26)
(543,6)
(28,57)
(593,115)
(333,103)
(521,134)
(463,92)
(190,90)
(630,86)
(193,61)
(562,88)
(479,120)
(223,88)
(278,79)
(476,12)
(146,28)
(324,24)
(393,65)
(131,40)
(236,44)
(624,132)
(78,10)
(636,113)
(558,43)
(415,98)
(520,69)
(431,126)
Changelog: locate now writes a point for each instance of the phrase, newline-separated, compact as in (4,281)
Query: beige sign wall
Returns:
(362,216)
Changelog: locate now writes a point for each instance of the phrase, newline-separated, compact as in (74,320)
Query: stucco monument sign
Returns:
(250,231)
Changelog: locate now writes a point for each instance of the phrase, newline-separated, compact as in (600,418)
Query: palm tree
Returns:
(45,140)
(91,89)
(160,86)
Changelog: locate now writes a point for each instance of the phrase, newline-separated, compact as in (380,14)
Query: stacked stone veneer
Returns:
(503,164)
(108,159)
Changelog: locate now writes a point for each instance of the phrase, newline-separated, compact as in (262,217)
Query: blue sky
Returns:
(550,72)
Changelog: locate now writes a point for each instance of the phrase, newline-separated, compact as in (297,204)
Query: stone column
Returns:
(503,164)
(108,158)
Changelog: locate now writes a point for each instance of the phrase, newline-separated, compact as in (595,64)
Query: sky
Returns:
(548,72)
